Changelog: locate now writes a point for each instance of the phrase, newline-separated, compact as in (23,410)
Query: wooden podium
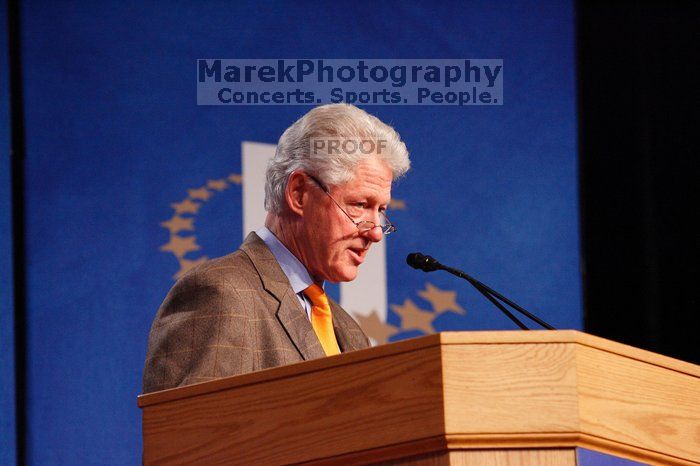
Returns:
(477,398)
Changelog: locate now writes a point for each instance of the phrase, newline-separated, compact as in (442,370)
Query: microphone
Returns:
(421,262)
(429,264)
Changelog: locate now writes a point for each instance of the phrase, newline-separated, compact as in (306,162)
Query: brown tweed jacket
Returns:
(233,315)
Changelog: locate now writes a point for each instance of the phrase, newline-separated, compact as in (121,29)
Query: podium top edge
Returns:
(569,336)
(415,344)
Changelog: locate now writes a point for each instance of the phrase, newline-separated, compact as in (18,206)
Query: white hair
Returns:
(341,121)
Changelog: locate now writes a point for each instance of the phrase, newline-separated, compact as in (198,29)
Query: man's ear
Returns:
(296,193)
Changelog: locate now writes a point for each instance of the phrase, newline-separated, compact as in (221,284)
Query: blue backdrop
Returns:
(114,138)
(7,376)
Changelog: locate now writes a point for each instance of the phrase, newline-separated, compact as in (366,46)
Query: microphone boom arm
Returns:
(477,284)
(500,306)
(429,264)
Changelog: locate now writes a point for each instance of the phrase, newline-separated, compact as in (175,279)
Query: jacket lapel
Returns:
(342,332)
(294,320)
(289,312)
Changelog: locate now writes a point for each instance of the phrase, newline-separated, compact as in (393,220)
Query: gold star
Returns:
(200,194)
(414,317)
(177,224)
(186,207)
(397,204)
(187,265)
(181,246)
(218,185)
(375,328)
(235,178)
(441,300)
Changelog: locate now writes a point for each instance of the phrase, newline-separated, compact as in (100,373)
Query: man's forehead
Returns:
(373,167)
(371,178)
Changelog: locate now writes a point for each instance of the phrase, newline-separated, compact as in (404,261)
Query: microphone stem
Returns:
(491,293)
(500,306)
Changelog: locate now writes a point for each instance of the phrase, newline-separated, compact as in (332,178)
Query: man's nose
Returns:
(374,234)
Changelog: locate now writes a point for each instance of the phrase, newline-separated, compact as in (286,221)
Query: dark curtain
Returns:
(638,79)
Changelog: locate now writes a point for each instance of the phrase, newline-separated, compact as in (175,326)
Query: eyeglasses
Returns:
(363,225)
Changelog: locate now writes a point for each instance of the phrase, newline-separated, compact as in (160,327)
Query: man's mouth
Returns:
(358,254)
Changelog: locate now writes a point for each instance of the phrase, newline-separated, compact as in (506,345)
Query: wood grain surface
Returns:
(515,457)
(450,397)
(639,404)
(300,418)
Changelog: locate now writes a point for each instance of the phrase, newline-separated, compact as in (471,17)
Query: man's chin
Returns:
(347,274)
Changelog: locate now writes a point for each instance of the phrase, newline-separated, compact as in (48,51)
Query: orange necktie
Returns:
(322,319)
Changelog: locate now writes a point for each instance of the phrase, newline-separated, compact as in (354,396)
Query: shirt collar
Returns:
(295,271)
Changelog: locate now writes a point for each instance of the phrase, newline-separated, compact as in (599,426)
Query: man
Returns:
(264,305)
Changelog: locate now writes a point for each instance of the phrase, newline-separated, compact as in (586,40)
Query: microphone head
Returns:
(422,262)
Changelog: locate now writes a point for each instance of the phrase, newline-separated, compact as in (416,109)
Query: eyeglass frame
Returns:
(390,227)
